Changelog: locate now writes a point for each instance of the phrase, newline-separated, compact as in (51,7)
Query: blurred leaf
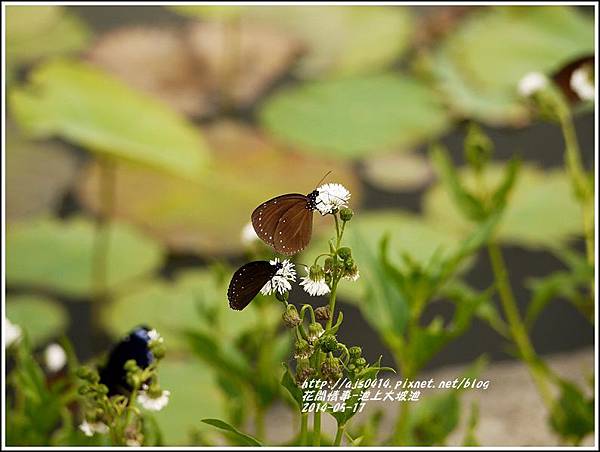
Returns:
(37,175)
(363,39)
(336,117)
(244,438)
(289,383)
(470,439)
(225,12)
(207,215)
(541,210)
(480,65)
(58,255)
(34,32)
(398,172)
(84,105)
(193,390)
(173,308)
(40,317)
(572,415)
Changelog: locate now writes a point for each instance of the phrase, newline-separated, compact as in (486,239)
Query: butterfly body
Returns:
(247,282)
(285,222)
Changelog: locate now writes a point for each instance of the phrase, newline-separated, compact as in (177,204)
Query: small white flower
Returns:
(55,357)
(13,333)
(315,288)
(331,198)
(155,336)
(248,235)
(153,403)
(91,428)
(531,83)
(281,281)
(581,82)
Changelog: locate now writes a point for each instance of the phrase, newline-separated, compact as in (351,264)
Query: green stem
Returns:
(516,326)
(303,428)
(316,436)
(338,435)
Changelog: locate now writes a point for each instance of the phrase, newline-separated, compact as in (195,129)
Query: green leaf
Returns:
(289,383)
(541,211)
(246,171)
(34,32)
(37,175)
(398,172)
(246,439)
(572,415)
(41,317)
(193,390)
(470,439)
(336,117)
(32,257)
(480,64)
(82,104)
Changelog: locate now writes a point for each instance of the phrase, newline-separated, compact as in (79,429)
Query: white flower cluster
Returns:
(331,198)
(531,83)
(13,333)
(55,357)
(281,281)
(314,287)
(155,336)
(153,403)
(91,428)
(581,82)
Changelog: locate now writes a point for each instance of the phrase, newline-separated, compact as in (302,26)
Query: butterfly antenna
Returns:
(323,178)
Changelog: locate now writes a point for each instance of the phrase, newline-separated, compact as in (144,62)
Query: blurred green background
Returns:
(175,122)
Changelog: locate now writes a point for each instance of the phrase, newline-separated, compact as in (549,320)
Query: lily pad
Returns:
(398,172)
(353,117)
(37,175)
(40,317)
(207,215)
(185,304)
(193,390)
(541,211)
(85,105)
(58,256)
(33,32)
(480,65)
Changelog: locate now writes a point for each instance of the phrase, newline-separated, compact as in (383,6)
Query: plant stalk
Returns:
(338,435)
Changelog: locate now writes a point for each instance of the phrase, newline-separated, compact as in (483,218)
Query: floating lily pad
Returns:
(193,390)
(85,105)
(207,215)
(58,256)
(356,116)
(40,317)
(37,175)
(541,211)
(33,32)
(398,172)
(185,304)
(358,40)
(480,65)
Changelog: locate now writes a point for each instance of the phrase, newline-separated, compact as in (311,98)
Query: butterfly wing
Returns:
(247,282)
(563,76)
(280,221)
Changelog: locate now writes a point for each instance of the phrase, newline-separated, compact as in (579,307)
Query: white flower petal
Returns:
(281,281)
(153,403)
(314,288)
(582,84)
(91,428)
(331,197)
(531,83)
(55,357)
(155,336)
(13,333)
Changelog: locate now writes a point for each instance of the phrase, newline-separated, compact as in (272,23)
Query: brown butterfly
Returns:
(562,77)
(247,282)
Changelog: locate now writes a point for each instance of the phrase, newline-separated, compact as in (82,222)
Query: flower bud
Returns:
(315,330)
(346,213)
(290,317)
(344,252)
(85,373)
(331,369)
(131,365)
(360,362)
(303,374)
(83,390)
(348,264)
(102,389)
(302,349)
(158,350)
(322,313)
(355,352)
(328,343)
(328,266)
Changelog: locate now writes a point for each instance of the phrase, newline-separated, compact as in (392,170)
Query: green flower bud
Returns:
(133,380)
(331,369)
(102,389)
(85,373)
(302,349)
(158,349)
(344,252)
(316,272)
(351,367)
(328,343)
(322,313)
(355,352)
(315,330)
(83,390)
(346,213)
(290,317)
(131,365)
(360,362)
(348,264)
